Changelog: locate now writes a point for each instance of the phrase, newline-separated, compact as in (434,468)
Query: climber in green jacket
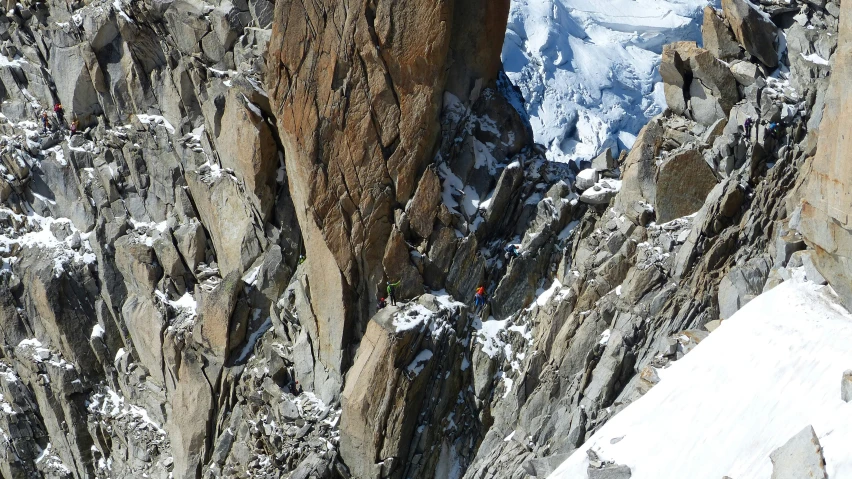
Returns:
(392,292)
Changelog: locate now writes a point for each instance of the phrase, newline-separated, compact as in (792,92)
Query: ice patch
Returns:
(253,338)
(38,234)
(250,278)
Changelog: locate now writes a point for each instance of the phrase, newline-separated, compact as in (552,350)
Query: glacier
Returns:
(588,69)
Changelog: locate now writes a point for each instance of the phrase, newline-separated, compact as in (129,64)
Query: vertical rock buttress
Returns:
(827,192)
(357,88)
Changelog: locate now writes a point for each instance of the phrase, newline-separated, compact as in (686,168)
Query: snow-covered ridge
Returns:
(772,369)
(588,69)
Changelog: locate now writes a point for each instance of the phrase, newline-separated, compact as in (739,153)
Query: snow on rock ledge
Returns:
(761,377)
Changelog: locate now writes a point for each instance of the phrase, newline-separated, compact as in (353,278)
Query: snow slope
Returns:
(772,369)
(588,68)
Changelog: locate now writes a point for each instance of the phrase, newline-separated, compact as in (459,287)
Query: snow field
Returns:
(761,377)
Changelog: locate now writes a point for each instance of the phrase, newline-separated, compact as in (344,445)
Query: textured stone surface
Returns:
(753,30)
(374,88)
(695,81)
(799,457)
(639,177)
(827,197)
(718,37)
(683,183)
(155,316)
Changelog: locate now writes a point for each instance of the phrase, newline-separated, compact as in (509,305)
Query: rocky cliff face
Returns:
(156,316)
(825,210)
(358,90)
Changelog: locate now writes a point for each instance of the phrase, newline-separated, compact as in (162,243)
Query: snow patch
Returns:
(97,332)
(156,120)
(419,362)
(815,58)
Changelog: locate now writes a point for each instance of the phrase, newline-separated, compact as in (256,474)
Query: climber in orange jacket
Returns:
(479,299)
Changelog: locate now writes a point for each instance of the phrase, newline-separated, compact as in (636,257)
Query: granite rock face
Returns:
(358,91)
(826,194)
(189,283)
(753,29)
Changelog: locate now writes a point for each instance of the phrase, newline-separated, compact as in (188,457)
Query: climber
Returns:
(392,291)
(479,299)
(74,126)
(381,303)
(747,126)
(301,259)
(773,129)
(45,121)
(295,388)
(60,113)
(511,251)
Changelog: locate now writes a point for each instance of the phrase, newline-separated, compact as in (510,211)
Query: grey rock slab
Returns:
(718,37)
(753,29)
(799,458)
(746,73)
(683,183)
(610,471)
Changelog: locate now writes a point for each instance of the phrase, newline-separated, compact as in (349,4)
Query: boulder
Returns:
(604,161)
(228,217)
(672,70)
(610,471)
(398,267)
(846,386)
(688,70)
(586,179)
(601,193)
(508,185)
(753,29)
(639,186)
(390,388)
(683,183)
(718,37)
(704,106)
(467,269)
(191,242)
(189,24)
(247,146)
(746,73)
(800,457)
